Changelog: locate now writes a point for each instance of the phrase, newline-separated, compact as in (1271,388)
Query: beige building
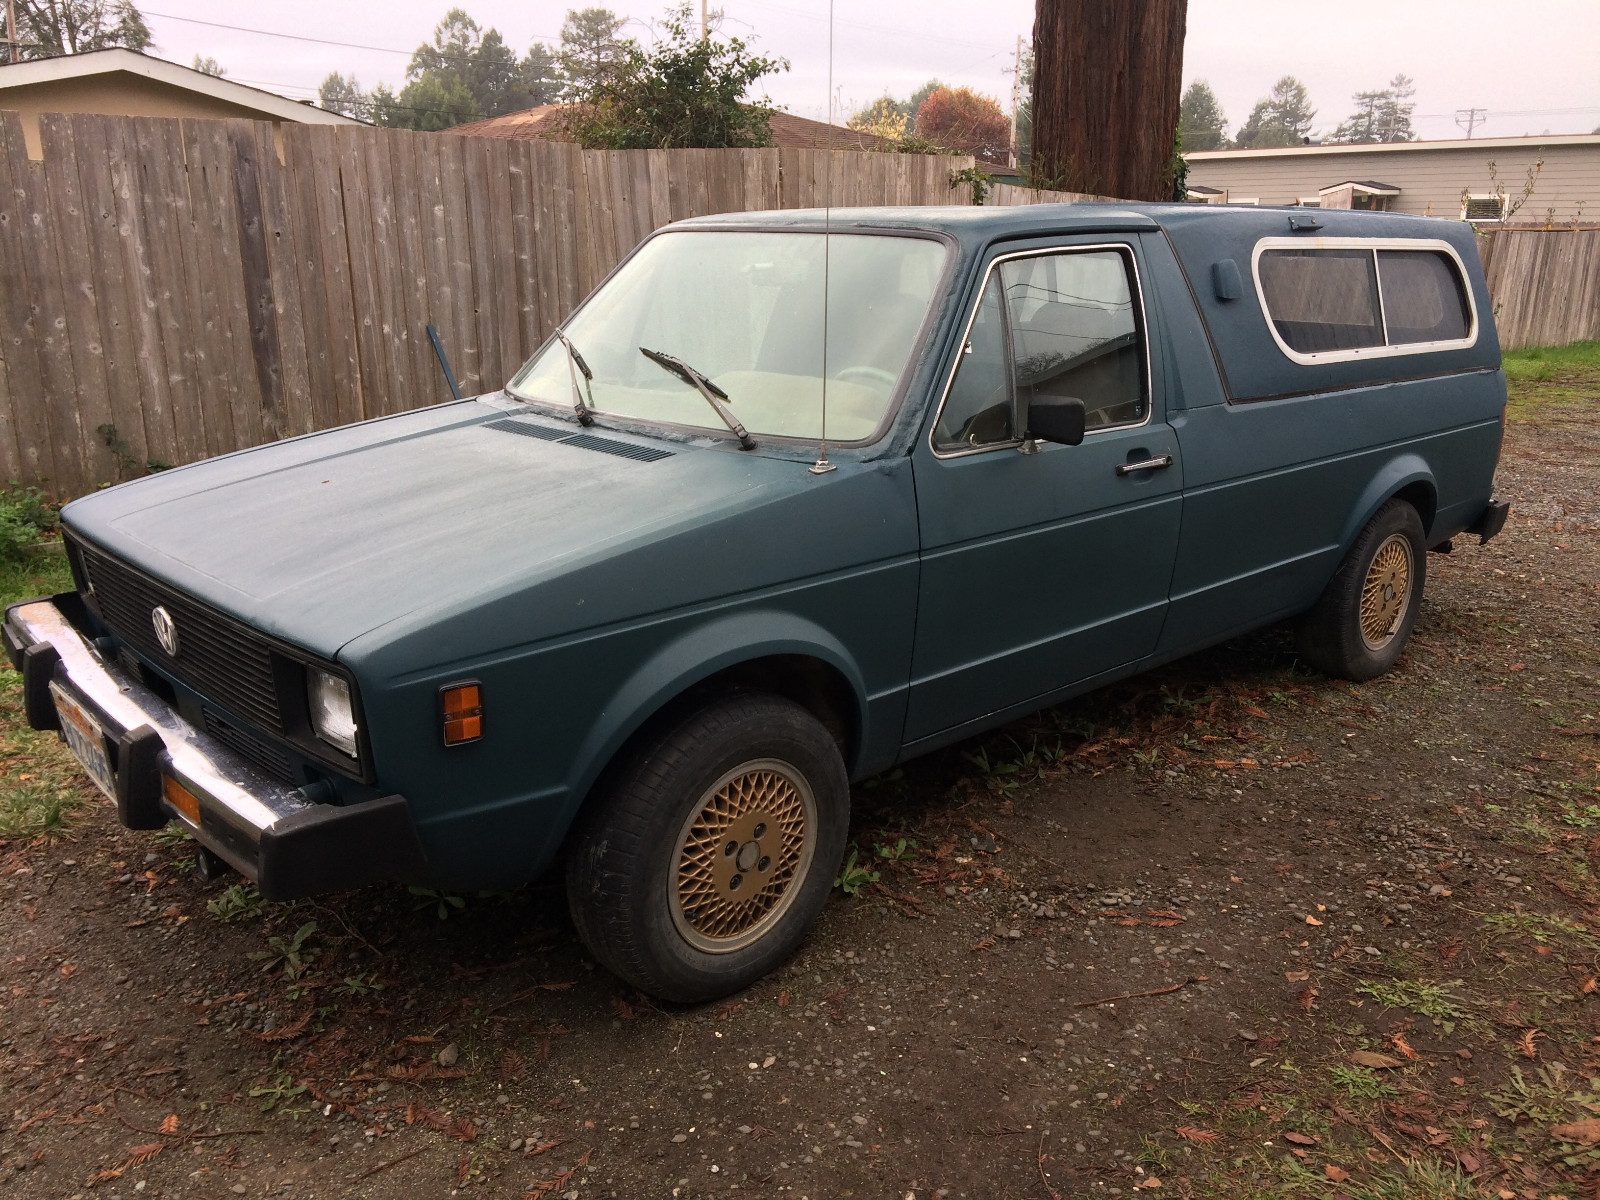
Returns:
(121,83)
(1481,179)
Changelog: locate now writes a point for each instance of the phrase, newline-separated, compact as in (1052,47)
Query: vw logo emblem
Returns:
(166,630)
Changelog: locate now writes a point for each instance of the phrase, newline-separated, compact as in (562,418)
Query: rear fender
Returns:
(1407,471)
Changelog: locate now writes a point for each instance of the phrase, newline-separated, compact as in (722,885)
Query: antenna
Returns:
(822,466)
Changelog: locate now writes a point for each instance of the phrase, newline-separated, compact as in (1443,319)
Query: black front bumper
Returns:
(271,833)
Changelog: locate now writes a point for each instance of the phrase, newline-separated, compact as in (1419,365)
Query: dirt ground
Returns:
(1229,930)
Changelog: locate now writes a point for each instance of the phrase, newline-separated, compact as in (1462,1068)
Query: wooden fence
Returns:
(1545,284)
(171,290)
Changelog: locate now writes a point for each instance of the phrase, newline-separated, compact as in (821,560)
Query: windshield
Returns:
(745,310)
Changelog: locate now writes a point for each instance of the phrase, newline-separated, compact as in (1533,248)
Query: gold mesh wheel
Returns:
(743,854)
(1386,591)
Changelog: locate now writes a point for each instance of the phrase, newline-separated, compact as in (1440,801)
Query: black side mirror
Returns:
(1056,419)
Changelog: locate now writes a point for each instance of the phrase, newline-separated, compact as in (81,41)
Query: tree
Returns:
(343,95)
(592,49)
(434,101)
(1280,118)
(1105,95)
(208,66)
(50,28)
(1382,115)
(914,102)
(684,91)
(541,77)
(882,118)
(1025,109)
(960,119)
(1200,119)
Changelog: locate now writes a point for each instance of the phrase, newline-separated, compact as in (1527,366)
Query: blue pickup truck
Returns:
(790,498)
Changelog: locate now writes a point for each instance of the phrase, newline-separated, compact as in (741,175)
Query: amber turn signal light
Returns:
(182,799)
(463,713)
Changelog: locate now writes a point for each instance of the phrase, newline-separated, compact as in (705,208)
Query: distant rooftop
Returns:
(789,132)
(1326,148)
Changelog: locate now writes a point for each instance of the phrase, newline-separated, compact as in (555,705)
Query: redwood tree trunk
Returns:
(1106,83)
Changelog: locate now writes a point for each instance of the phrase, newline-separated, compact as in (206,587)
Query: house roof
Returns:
(789,132)
(1368,187)
(109,62)
(1569,139)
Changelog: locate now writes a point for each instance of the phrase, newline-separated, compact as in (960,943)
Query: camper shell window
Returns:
(1336,299)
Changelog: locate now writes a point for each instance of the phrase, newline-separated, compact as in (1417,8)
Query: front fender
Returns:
(699,654)
(1398,473)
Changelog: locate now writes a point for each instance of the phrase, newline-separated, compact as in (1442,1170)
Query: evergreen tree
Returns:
(592,49)
(1281,118)
(344,96)
(1383,115)
(1201,122)
(208,66)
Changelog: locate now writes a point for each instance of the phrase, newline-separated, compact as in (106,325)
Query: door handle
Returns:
(1148,464)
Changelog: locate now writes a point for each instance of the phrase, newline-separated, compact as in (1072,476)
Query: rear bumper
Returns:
(271,833)
(1491,522)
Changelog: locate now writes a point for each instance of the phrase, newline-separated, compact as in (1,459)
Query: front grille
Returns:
(228,663)
(269,758)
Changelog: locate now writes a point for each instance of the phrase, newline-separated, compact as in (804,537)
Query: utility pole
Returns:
(1470,118)
(703,33)
(1016,94)
(11,31)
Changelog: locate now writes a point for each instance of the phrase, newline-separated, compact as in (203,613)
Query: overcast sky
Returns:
(1534,66)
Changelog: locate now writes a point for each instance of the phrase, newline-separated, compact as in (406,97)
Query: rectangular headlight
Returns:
(333,714)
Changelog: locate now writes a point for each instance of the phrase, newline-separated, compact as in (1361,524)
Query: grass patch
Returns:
(1540,363)
(1543,930)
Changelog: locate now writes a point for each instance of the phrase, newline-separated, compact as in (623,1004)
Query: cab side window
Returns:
(979,410)
(1074,334)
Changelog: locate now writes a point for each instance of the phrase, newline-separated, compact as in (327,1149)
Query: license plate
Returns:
(86,740)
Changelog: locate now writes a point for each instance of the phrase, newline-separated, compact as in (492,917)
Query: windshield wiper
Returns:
(713,394)
(576,359)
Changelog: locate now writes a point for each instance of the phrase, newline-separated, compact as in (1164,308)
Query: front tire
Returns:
(711,848)
(1361,623)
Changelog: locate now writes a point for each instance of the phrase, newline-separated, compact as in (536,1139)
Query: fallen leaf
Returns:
(1525,1043)
(1590,986)
(170,1124)
(1371,1058)
(1300,1139)
(1297,976)
(1163,924)
(36,1119)
(1164,912)
(783,998)
(1308,998)
(1200,1137)
(68,970)
(140,1155)
(1398,1041)
(1584,1133)
(1310,920)
(1129,922)
(986,943)
(623,1009)
(1256,712)
(463,1170)
(1337,1174)
(284,1033)
(1468,1160)
(1451,948)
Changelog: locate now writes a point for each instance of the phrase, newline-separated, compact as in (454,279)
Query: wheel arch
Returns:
(1407,477)
(753,651)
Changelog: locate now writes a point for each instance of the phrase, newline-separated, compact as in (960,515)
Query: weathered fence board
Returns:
(176,289)
(1545,284)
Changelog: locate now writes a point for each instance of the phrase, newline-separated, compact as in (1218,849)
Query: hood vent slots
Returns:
(581,441)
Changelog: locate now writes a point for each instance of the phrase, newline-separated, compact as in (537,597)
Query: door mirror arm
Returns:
(1054,419)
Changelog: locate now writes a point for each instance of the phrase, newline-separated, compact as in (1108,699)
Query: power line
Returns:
(297,37)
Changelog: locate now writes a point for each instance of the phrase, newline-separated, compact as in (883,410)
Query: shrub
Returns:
(25,515)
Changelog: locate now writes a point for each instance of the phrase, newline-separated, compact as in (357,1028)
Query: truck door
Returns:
(1043,566)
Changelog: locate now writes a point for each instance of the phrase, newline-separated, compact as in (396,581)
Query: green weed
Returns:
(358,985)
(239,902)
(1360,1083)
(853,879)
(278,1094)
(1422,1179)
(1544,930)
(1431,1000)
(897,851)
(442,903)
(1548,1097)
(291,953)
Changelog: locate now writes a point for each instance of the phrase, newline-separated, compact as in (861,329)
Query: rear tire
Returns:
(1361,623)
(711,848)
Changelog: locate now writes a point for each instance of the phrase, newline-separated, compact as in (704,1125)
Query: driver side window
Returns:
(978,410)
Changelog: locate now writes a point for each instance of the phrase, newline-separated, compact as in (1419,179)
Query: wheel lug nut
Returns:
(733,884)
(765,863)
(761,830)
(730,850)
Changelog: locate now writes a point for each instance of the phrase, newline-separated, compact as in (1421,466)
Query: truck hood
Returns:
(323,538)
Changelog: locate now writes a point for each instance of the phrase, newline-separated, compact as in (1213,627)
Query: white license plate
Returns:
(86,740)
